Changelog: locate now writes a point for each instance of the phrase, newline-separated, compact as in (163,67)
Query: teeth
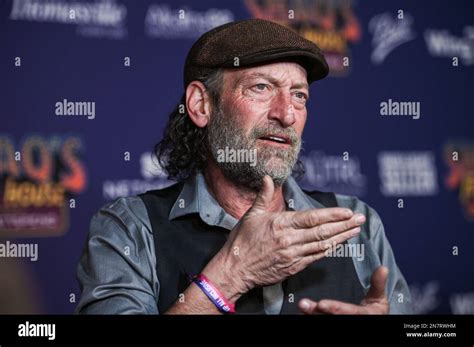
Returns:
(278,139)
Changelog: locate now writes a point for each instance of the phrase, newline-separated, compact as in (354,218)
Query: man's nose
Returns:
(282,110)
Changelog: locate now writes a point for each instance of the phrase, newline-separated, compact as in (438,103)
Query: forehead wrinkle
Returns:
(275,80)
(270,75)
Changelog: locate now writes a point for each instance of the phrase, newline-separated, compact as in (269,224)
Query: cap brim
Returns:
(314,64)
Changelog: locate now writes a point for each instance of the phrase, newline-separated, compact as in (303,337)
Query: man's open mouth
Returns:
(280,139)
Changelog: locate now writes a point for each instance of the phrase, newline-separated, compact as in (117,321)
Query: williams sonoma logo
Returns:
(38,182)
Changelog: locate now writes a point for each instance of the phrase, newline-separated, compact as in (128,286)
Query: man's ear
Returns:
(198,103)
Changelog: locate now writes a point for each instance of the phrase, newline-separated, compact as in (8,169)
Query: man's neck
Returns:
(234,198)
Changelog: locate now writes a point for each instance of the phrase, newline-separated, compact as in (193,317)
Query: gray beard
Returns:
(223,132)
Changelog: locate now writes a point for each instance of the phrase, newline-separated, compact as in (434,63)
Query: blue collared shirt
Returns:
(117,270)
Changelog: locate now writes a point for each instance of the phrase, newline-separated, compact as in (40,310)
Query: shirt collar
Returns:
(196,198)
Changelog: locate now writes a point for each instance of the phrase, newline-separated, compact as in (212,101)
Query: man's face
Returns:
(261,109)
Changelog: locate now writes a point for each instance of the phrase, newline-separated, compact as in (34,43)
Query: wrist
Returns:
(226,280)
(214,294)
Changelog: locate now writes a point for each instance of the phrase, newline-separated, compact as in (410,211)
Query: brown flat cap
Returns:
(254,42)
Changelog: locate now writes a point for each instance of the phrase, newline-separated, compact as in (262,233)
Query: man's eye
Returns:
(260,87)
(301,95)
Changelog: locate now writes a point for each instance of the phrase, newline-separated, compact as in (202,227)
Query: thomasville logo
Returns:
(37,184)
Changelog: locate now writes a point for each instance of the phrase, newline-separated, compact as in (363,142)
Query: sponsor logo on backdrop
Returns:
(424,298)
(407,173)
(332,25)
(388,33)
(333,173)
(102,18)
(441,43)
(164,22)
(39,180)
(462,303)
(153,177)
(460,160)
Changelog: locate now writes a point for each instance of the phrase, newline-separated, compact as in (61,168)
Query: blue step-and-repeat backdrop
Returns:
(393,125)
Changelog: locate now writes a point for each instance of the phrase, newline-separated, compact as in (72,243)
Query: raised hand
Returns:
(375,302)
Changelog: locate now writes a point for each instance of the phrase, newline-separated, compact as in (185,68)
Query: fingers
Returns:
(328,230)
(308,306)
(317,216)
(319,239)
(339,307)
(377,284)
(315,247)
(264,196)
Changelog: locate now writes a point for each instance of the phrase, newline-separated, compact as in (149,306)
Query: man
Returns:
(237,233)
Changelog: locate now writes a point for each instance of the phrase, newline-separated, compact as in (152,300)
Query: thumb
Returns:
(377,283)
(264,196)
